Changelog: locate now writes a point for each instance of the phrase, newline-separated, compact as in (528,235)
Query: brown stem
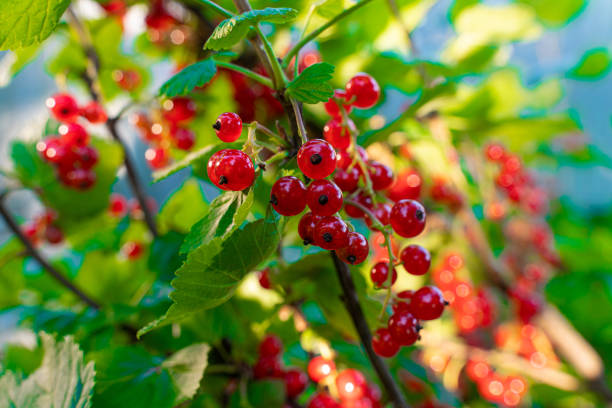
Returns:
(351,302)
(33,252)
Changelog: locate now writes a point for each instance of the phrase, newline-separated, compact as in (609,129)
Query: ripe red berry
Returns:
(331,106)
(331,233)
(178,109)
(228,126)
(337,134)
(63,107)
(382,212)
(324,197)
(427,303)
(316,159)
(132,250)
(74,134)
(234,170)
(350,384)
(32,233)
(52,150)
(81,179)
(347,180)
(157,157)
(85,157)
(118,205)
(363,91)
(355,212)
(320,368)
(270,346)
(93,112)
(404,327)
(322,400)
(384,344)
(495,152)
(356,251)
(344,159)
(380,275)
(264,278)
(407,218)
(380,175)
(403,301)
(127,79)
(267,367)
(183,138)
(407,185)
(288,196)
(306,227)
(295,382)
(416,259)
(53,234)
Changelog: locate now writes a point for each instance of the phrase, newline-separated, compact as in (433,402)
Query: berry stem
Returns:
(279,75)
(217,8)
(353,150)
(277,139)
(247,72)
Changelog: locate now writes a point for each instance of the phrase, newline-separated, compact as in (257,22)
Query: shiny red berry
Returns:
(234,171)
(380,275)
(347,180)
(157,157)
(270,346)
(344,159)
(306,227)
(407,185)
(316,159)
(74,134)
(183,138)
(356,212)
(363,91)
(264,278)
(384,344)
(356,251)
(53,234)
(179,109)
(288,196)
(118,206)
(380,175)
(63,107)
(407,218)
(331,233)
(212,165)
(324,197)
(337,134)
(495,152)
(126,79)
(382,212)
(350,384)
(403,301)
(295,382)
(228,127)
(52,150)
(427,303)
(331,106)
(132,250)
(94,113)
(322,400)
(416,259)
(80,179)
(320,368)
(404,327)
(85,157)
(267,367)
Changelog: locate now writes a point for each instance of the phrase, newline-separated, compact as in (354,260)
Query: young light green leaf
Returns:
(186,368)
(27,22)
(594,64)
(232,30)
(329,8)
(189,78)
(312,85)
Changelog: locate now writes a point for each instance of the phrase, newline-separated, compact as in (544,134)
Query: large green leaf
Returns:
(183,209)
(556,13)
(594,64)
(27,22)
(62,380)
(189,78)
(312,85)
(232,30)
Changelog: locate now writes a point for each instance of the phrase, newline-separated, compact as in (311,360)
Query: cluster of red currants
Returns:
(119,207)
(472,308)
(494,387)
(166,128)
(44,229)
(444,193)
(528,341)
(164,29)
(70,152)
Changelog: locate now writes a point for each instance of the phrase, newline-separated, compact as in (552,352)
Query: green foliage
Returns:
(312,85)
(594,64)
(556,13)
(189,78)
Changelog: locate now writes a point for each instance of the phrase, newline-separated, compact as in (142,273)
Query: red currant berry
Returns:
(295,382)
(306,227)
(264,278)
(344,159)
(357,249)
(528,305)
(53,234)
(132,250)
(270,346)
(322,400)
(127,79)
(86,157)
(81,179)
(336,134)
(381,175)
(384,344)
(350,384)
(228,127)
(355,212)
(416,259)
(380,275)
(331,106)
(63,107)
(407,185)
(212,165)
(427,303)
(267,367)
(94,113)
(157,157)
(183,138)
(74,134)
(32,233)
(288,196)
(404,327)
(115,7)
(118,205)
(178,109)
(324,197)
(363,91)
(495,152)
(234,171)
(53,150)
(403,301)
(320,368)
(408,218)
(347,180)
(382,212)
(331,233)
(316,159)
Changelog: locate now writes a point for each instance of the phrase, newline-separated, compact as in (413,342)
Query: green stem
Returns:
(218,8)
(298,114)
(314,34)
(390,277)
(277,71)
(279,140)
(247,72)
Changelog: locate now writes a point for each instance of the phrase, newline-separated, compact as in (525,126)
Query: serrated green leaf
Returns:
(594,64)
(189,78)
(312,85)
(183,209)
(232,30)
(186,368)
(23,22)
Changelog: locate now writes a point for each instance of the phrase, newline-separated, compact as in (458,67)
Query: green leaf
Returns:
(329,8)
(189,78)
(594,64)
(62,380)
(232,30)
(27,22)
(312,85)
(458,6)
(186,368)
(556,13)
(183,209)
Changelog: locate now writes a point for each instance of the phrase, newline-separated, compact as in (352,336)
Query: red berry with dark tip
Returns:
(228,127)
(350,384)
(384,344)
(427,303)
(331,106)
(407,218)
(324,197)
(81,179)
(288,196)
(380,275)
(234,171)
(337,134)
(316,159)
(363,91)
(380,175)
(53,234)
(94,113)
(85,157)
(270,346)
(356,212)
(267,367)
(382,212)
(416,259)
(306,227)
(295,382)
(63,107)
(183,138)
(404,327)
(157,157)
(212,165)
(179,109)
(53,150)
(320,368)
(347,180)
(331,233)
(356,251)
(74,134)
